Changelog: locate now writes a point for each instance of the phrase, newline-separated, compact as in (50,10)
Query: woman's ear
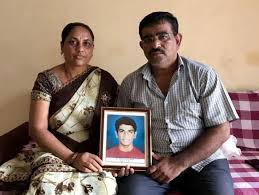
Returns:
(61,48)
(141,44)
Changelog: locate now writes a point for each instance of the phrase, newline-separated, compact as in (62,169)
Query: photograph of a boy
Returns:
(125,130)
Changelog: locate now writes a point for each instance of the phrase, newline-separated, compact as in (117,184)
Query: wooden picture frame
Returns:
(125,138)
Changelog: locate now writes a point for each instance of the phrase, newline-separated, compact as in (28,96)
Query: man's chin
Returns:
(127,144)
(157,59)
(156,62)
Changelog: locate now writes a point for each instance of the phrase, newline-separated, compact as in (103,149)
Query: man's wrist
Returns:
(182,161)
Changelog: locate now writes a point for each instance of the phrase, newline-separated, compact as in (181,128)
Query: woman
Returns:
(64,121)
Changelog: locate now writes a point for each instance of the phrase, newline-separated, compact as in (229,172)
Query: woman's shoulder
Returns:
(106,75)
(47,81)
(103,71)
(50,72)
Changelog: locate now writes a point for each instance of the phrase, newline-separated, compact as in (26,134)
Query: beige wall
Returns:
(221,33)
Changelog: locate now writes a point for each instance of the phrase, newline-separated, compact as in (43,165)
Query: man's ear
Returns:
(116,134)
(135,134)
(178,39)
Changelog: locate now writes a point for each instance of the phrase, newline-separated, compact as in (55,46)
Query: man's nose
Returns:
(156,43)
(126,133)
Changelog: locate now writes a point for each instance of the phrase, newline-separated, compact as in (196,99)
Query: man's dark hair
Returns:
(157,18)
(125,121)
(67,29)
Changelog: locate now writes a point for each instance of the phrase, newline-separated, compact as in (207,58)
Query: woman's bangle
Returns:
(72,158)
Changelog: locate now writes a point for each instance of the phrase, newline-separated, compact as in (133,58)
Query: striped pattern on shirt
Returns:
(196,99)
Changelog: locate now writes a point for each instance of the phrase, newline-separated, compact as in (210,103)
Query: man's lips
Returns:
(126,140)
(156,53)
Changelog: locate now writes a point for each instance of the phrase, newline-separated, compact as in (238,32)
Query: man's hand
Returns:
(124,171)
(87,162)
(167,169)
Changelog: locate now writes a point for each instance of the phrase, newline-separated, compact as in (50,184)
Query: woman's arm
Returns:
(38,130)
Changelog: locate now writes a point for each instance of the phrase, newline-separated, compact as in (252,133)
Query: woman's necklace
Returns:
(70,76)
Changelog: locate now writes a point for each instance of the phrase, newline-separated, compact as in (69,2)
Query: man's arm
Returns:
(209,141)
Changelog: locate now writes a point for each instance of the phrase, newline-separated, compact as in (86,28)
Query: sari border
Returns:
(39,95)
(61,97)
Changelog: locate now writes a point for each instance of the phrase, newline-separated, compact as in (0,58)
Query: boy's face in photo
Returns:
(126,134)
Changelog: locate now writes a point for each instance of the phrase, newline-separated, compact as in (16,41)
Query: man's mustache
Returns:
(156,50)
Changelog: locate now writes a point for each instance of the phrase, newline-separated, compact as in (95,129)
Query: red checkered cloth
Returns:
(245,177)
(246,129)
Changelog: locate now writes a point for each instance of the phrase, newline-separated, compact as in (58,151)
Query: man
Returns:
(191,111)
(125,131)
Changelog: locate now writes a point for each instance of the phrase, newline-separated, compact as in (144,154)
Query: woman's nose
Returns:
(80,47)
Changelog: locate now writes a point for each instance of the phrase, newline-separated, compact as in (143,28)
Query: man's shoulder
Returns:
(112,150)
(135,74)
(138,152)
(137,71)
(193,64)
(197,69)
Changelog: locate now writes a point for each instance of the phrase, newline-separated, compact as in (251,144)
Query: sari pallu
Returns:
(75,116)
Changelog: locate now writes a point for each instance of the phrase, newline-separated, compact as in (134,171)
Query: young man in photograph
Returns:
(125,131)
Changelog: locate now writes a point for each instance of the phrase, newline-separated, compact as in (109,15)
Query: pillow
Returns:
(246,129)
(229,148)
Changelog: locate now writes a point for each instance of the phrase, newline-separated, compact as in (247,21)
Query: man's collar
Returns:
(146,71)
(179,61)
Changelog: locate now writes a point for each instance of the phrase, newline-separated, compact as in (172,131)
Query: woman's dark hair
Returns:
(70,27)
(157,18)
(125,121)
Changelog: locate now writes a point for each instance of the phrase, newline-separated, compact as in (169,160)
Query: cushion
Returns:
(12,142)
(9,186)
(229,148)
(246,129)
(245,177)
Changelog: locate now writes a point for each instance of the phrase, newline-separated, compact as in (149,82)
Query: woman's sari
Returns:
(74,119)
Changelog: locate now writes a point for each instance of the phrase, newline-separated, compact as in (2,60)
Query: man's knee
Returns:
(215,178)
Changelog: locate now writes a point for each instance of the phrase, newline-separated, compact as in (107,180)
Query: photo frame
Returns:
(125,138)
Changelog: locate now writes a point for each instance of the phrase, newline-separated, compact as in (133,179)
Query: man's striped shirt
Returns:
(196,100)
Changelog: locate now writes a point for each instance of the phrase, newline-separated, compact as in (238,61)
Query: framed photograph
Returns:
(125,138)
